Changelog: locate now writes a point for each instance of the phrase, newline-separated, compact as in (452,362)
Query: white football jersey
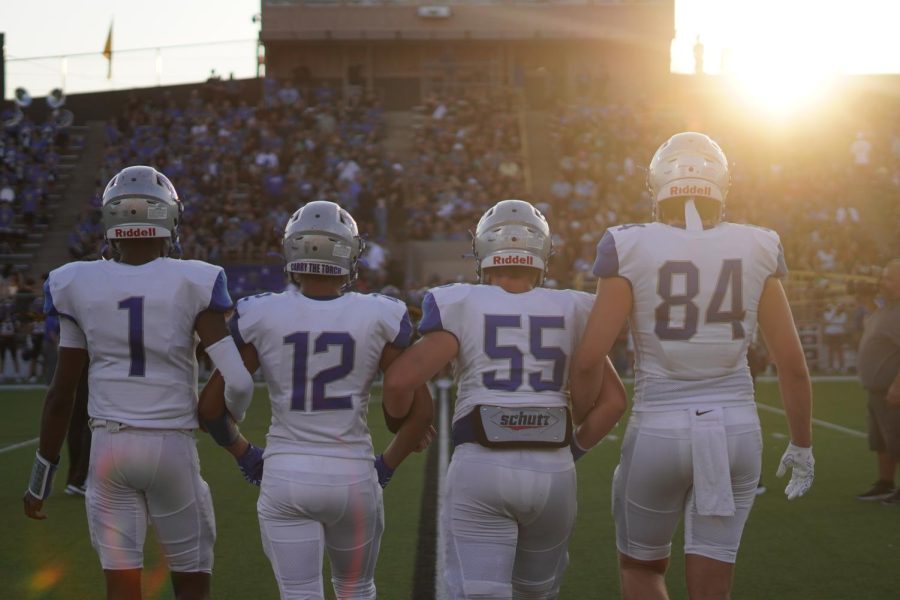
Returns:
(696,295)
(138,324)
(514,349)
(319,358)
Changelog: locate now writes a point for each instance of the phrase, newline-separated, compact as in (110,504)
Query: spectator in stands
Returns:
(878,365)
(10,325)
(835,334)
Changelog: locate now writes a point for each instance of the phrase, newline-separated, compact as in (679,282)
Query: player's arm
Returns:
(413,432)
(604,415)
(54,425)
(777,325)
(213,409)
(414,368)
(238,382)
(611,308)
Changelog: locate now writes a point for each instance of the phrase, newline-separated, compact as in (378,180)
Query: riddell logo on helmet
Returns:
(527,261)
(135,232)
(690,190)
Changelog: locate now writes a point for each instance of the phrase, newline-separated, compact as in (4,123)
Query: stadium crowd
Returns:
(29,172)
(242,169)
(467,153)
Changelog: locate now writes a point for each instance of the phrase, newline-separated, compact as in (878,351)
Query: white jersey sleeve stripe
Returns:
(71,335)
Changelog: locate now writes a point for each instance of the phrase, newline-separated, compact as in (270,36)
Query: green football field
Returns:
(824,546)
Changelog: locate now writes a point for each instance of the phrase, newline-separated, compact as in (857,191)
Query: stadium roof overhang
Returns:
(650,23)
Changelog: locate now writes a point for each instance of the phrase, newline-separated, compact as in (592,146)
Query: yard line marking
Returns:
(12,447)
(820,422)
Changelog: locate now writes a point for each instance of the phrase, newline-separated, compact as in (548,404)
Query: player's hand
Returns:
(893,396)
(33,507)
(384,472)
(251,464)
(802,465)
(427,439)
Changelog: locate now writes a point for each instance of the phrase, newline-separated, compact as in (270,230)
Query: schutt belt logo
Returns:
(525,419)
(527,261)
(135,232)
(690,190)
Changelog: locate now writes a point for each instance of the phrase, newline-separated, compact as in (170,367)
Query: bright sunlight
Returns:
(782,55)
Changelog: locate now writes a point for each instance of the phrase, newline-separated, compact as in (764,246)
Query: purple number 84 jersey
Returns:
(696,296)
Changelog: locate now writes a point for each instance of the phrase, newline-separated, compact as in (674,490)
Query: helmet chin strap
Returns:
(692,220)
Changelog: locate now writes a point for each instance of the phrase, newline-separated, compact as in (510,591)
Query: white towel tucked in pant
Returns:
(712,473)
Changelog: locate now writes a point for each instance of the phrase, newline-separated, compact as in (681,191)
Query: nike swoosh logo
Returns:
(703,412)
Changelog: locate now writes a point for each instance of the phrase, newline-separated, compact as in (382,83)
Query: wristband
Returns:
(577,450)
(41,477)
(384,472)
(223,429)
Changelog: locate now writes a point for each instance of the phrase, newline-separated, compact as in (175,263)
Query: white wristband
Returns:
(41,480)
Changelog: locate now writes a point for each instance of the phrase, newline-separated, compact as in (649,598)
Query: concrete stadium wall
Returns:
(444,261)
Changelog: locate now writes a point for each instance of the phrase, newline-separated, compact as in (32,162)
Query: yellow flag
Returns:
(107,52)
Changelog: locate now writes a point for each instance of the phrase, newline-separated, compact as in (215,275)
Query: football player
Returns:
(510,503)
(136,319)
(320,348)
(693,288)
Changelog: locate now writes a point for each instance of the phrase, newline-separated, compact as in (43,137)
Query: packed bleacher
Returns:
(467,155)
(243,168)
(30,169)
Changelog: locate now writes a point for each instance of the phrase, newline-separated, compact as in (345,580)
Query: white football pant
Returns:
(653,485)
(506,528)
(141,474)
(308,505)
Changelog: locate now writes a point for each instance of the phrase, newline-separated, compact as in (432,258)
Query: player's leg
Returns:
(649,490)
(181,510)
(545,526)
(480,534)
(117,517)
(191,586)
(711,543)
(708,578)
(353,537)
(292,540)
(643,579)
(123,584)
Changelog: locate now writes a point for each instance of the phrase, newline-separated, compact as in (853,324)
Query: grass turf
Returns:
(824,546)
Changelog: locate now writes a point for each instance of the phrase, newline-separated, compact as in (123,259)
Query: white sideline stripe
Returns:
(12,447)
(820,423)
(443,460)
(764,378)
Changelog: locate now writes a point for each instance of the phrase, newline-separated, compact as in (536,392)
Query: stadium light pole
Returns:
(257,18)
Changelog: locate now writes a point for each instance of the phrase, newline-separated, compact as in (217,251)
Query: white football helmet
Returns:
(512,233)
(688,164)
(139,203)
(321,238)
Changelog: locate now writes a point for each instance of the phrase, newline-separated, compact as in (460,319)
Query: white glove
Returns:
(802,465)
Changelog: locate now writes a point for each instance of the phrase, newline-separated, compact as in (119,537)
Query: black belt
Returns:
(463,431)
